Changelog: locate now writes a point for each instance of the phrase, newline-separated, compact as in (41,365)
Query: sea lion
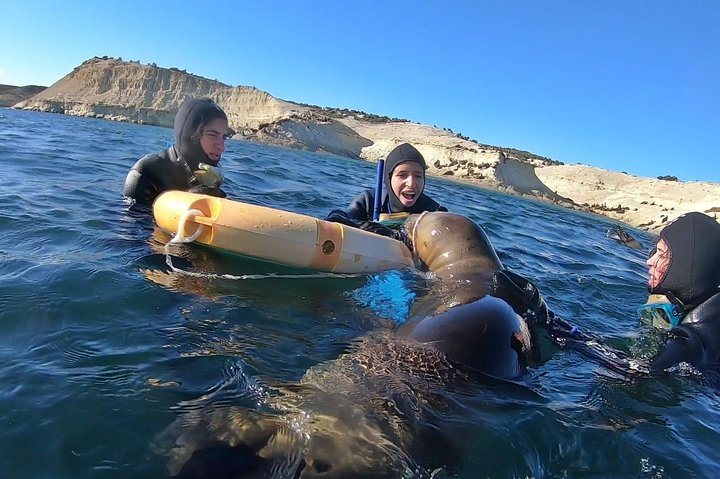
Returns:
(467,316)
(361,415)
(619,234)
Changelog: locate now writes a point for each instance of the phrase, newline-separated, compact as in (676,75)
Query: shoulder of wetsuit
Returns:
(361,206)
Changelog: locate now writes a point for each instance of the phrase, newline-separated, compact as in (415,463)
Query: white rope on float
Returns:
(179,238)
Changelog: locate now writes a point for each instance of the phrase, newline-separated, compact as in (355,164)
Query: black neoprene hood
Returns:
(693,274)
(401,154)
(193,113)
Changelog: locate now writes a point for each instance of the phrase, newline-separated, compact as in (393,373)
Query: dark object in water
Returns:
(370,411)
(619,234)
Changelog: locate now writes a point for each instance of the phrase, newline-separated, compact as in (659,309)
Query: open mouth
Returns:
(410,196)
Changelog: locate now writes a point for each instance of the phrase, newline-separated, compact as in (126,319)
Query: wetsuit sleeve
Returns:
(359,209)
(339,216)
(522,295)
(140,186)
(399,234)
(684,346)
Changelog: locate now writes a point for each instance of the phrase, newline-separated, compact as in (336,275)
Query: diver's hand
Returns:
(339,216)
(377,228)
(522,295)
(208,190)
(380,229)
(525,298)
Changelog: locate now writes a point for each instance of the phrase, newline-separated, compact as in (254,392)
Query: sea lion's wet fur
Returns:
(360,414)
(355,416)
(461,315)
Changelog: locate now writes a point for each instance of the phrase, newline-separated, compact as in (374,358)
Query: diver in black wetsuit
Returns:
(404,180)
(192,163)
(684,284)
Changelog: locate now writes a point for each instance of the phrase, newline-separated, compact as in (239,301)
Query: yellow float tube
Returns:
(275,235)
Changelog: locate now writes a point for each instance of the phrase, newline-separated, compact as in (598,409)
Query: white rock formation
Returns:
(129,91)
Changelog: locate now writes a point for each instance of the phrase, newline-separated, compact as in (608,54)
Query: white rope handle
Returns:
(181,226)
(179,238)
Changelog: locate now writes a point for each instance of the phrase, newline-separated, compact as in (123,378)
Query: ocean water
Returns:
(102,346)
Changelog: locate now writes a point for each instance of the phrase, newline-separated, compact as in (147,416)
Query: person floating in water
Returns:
(191,164)
(684,287)
(684,279)
(404,179)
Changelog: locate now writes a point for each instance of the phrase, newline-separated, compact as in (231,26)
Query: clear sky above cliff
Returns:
(626,85)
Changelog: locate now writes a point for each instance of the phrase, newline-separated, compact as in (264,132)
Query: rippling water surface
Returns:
(102,348)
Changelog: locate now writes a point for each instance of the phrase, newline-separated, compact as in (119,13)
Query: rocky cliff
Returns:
(10,95)
(129,91)
(113,89)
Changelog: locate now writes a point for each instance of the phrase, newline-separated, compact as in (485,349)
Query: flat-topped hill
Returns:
(113,89)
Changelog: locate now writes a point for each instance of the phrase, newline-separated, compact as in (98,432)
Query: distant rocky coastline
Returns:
(104,87)
(11,95)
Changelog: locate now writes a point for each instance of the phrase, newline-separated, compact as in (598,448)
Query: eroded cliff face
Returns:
(444,153)
(646,203)
(129,91)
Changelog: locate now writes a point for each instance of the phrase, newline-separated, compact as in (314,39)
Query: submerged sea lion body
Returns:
(361,414)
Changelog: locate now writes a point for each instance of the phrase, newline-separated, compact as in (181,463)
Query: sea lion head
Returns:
(462,316)
(451,245)
(486,335)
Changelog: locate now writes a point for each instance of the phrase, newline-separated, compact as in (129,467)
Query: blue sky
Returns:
(625,85)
